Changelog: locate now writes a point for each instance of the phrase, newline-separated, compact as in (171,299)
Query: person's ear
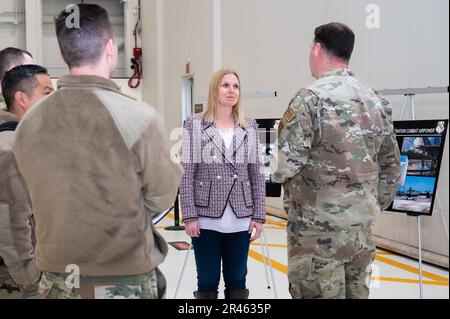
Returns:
(110,48)
(21,100)
(318,48)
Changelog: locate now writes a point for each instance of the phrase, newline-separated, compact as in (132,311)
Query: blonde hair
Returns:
(213,95)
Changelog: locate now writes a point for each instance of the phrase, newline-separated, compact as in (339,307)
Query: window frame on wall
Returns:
(35,25)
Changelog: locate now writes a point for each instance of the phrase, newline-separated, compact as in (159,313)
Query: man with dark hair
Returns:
(10,58)
(84,46)
(23,86)
(101,169)
(337,38)
(340,164)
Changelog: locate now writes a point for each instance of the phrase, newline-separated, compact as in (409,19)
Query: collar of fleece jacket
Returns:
(7,117)
(87,81)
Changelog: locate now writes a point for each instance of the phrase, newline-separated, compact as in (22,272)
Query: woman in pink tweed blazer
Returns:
(223,188)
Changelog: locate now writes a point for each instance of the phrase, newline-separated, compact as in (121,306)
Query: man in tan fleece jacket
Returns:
(100,169)
(22,87)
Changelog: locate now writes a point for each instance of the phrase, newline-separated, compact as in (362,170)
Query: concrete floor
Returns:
(394,276)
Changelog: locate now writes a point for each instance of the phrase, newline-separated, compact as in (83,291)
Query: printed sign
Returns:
(421,145)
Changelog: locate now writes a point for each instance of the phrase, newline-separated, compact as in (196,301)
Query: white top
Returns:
(229,223)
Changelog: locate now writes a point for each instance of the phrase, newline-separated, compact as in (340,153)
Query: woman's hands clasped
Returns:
(192,228)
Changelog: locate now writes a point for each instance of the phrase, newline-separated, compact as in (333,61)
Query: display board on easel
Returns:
(416,132)
(421,145)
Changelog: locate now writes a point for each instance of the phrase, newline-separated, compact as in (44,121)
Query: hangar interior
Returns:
(401,44)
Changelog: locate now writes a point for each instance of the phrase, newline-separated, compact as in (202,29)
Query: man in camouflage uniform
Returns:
(340,165)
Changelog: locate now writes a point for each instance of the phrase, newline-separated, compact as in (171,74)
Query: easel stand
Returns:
(177,225)
(409,99)
(419,234)
(265,252)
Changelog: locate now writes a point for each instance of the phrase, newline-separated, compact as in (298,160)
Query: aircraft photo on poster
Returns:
(422,145)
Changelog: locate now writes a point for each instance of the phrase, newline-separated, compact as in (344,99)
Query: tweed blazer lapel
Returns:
(214,136)
(239,137)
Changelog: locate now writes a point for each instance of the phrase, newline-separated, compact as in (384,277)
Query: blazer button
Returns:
(235,176)
(219,177)
(201,183)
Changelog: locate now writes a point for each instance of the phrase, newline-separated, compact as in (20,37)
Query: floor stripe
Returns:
(410,268)
(438,280)
(270,245)
(284,269)
(276,223)
(276,265)
(272,227)
(386,253)
(411,281)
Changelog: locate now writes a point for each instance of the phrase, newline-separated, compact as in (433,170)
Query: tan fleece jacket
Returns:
(16,235)
(97,167)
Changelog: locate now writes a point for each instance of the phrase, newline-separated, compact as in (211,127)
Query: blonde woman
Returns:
(222,189)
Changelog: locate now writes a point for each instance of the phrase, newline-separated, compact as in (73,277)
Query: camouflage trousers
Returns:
(329,262)
(151,285)
(8,288)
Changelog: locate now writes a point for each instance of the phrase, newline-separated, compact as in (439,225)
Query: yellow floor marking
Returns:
(410,268)
(386,253)
(270,245)
(273,222)
(411,281)
(275,264)
(272,227)
(285,246)
(284,269)
(439,280)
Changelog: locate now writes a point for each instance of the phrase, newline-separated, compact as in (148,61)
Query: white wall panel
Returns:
(267,42)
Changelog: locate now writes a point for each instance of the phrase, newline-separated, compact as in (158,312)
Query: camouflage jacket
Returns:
(337,153)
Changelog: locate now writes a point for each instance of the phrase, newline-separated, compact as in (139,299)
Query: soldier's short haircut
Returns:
(11,57)
(21,78)
(83,44)
(338,39)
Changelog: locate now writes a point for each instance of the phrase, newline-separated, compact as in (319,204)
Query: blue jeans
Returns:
(213,247)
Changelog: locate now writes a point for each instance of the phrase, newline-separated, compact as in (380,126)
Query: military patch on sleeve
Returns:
(289,116)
